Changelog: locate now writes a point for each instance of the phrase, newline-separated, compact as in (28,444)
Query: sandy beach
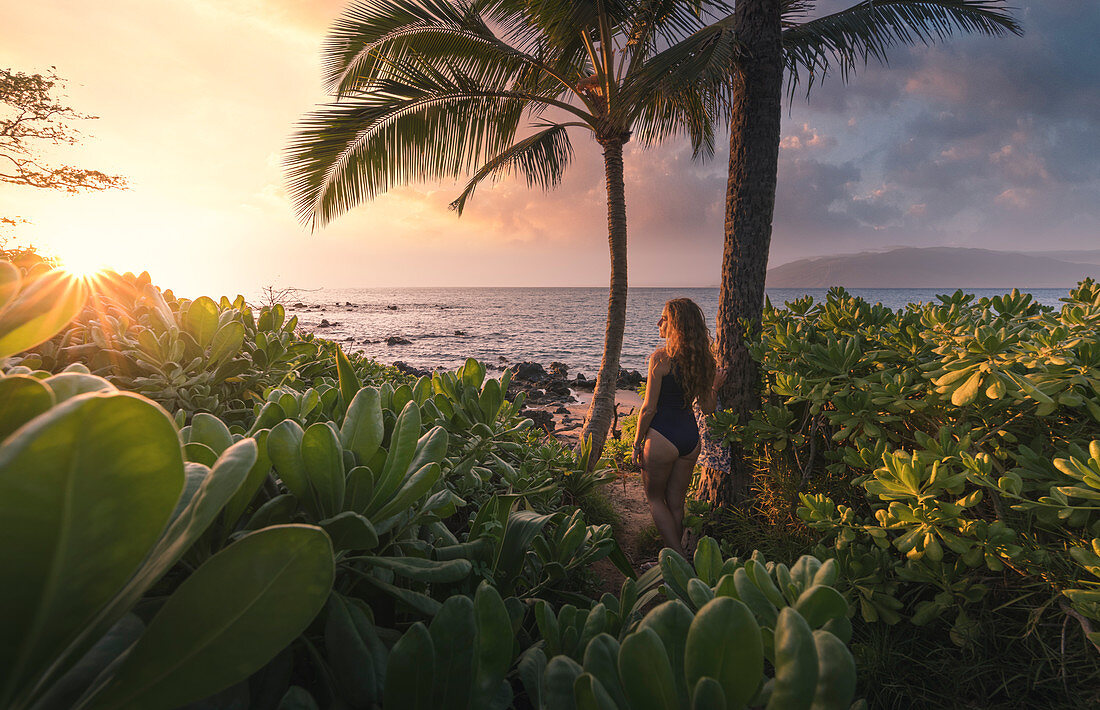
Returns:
(569,418)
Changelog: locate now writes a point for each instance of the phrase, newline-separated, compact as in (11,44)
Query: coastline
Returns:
(568,423)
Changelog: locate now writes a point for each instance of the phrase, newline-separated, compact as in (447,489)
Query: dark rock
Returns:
(542,419)
(629,379)
(460,332)
(349,339)
(501,358)
(347,303)
(558,388)
(391,308)
(325,323)
(580,383)
(410,370)
(561,410)
(299,304)
(530,371)
(559,370)
(397,340)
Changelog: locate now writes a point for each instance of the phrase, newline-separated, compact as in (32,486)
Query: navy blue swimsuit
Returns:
(674,418)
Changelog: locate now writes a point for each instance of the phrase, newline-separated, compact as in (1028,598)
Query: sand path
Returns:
(625,494)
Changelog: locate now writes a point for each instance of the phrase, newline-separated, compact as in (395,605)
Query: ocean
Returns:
(500,326)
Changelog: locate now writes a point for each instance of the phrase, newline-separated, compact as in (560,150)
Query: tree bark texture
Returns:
(750,203)
(602,409)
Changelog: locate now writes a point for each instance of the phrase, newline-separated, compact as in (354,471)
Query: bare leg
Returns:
(660,457)
(678,483)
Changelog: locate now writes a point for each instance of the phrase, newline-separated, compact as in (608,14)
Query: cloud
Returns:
(989,142)
(984,140)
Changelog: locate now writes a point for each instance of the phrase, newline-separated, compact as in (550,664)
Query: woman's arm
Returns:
(649,404)
(709,401)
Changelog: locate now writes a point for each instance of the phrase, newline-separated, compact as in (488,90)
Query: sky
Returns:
(978,142)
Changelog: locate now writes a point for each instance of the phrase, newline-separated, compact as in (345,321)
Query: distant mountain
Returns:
(938,267)
(1078,256)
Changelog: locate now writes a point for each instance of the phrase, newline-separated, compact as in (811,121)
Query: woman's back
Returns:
(672,391)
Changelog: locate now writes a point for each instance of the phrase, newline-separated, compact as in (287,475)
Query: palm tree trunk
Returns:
(750,202)
(603,398)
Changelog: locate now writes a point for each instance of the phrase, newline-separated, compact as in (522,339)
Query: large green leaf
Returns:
(208,429)
(495,639)
(454,638)
(284,447)
(416,487)
(85,491)
(348,380)
(41,309)
(22,398)
(522,528)
(363,429)
(410,675)
(228,341)
(355,652)
(671,621)
(323,459)
(64,693)
(645,669)
(9,283)
(724,643)
(195,514)
(350,531)
(247,491)
(66,385)
(422,570)
(201,320)
(403,445)
(226,620)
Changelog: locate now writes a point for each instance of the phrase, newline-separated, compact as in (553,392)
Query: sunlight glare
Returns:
(85,263)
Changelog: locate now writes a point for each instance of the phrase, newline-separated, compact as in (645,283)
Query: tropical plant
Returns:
(777,37)
(965,429)
(439,90)
(201,355)
(35,306)
(96,506)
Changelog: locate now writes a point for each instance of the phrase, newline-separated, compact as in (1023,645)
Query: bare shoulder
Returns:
(659,361)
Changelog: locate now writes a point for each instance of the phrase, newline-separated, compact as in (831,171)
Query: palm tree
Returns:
(775,38)
(439,89)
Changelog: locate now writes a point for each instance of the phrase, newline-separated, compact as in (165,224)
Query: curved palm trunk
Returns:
(750,202)
(602,409)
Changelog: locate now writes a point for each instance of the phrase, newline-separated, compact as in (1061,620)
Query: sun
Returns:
(85,263)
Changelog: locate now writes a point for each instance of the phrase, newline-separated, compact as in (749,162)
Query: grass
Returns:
(1022,655)
(766,522)
(598,510)
(649,542)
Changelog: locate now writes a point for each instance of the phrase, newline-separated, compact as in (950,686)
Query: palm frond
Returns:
(430,124)
(686,112)
(869,29)
(793,12)
(540,158)
(701,62)
(347,51)
(359,52)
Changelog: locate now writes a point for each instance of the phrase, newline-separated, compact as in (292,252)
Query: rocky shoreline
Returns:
(557,401)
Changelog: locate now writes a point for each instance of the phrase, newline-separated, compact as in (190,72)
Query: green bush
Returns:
(96,505)
(949,444)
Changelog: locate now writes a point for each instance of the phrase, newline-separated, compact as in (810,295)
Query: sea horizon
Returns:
(444,325)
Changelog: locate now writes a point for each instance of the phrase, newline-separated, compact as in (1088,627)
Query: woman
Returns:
(667,443)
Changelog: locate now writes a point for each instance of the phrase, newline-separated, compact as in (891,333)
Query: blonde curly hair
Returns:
(689,345)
